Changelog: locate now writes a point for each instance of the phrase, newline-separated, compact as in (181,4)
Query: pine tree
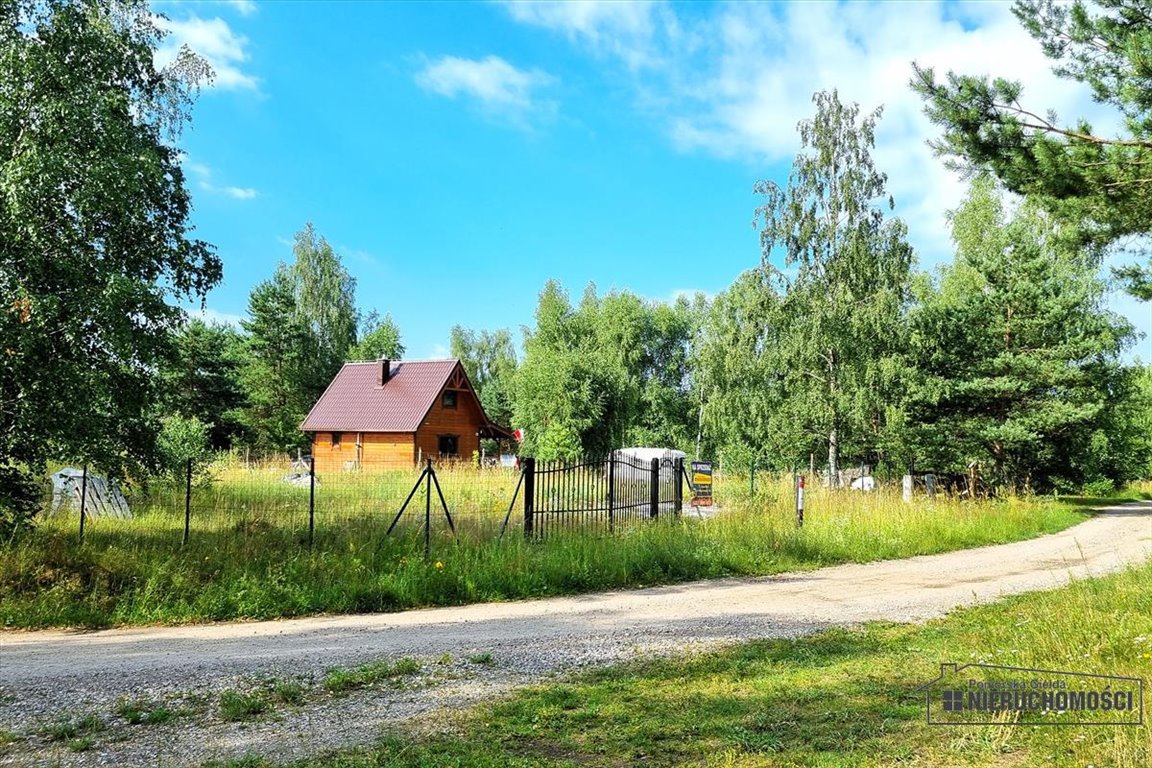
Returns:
(1016,352)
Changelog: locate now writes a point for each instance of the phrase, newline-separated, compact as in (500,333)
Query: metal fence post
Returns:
(655,490)
(311,500)
(83,498)
(529,471)
(187,503)
(612,492)
(678,486)
(428,511)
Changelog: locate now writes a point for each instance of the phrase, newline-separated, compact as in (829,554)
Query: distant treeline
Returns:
(1006,357)
(832,346)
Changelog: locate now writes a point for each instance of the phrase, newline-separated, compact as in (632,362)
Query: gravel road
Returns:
(46,677)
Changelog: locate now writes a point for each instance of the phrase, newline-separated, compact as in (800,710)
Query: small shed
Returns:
(389,414)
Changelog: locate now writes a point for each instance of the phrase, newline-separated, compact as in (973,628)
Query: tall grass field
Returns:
(248,553)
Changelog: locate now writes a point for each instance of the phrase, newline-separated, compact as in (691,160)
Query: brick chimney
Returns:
(385,371)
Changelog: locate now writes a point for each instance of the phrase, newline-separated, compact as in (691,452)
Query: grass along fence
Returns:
(280,501)
(245,557)
(294,503)
(285,500)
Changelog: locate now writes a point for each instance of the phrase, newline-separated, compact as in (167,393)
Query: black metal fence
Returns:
(604,494)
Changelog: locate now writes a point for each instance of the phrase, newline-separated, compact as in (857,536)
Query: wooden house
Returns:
(393,414)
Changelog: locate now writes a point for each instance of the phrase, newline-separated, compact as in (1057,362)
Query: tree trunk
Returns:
(833,438)
(700,425)
(833,460)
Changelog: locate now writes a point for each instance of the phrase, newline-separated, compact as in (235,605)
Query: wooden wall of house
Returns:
(371,450)
(388,450)
(463,421)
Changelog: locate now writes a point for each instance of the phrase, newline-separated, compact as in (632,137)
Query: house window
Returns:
(336,439)
(448,400)
(448,445)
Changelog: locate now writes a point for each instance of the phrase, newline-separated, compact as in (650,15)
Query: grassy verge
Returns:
(840,698)
(254,567)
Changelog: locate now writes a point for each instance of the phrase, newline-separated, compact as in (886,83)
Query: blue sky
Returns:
(458,155)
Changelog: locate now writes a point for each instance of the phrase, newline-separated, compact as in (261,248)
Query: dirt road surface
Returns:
(46,676)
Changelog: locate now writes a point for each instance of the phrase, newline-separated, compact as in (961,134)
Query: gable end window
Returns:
(448,399)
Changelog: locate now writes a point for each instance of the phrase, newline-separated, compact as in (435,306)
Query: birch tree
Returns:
(843,266)
(96,247)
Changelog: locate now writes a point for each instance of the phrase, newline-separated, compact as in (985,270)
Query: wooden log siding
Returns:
(370,450)
(463,421)
(388,450)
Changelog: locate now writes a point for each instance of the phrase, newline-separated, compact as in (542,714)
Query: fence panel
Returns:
(599,494)
(235,503)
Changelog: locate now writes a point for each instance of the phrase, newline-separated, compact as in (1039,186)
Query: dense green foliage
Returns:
(379,340)
(844,279)
(324,296)
(1097,182)
(281,378)
(95,245)
(736,374)
(1017,358)
(608,373)
(202,380)
(182,440)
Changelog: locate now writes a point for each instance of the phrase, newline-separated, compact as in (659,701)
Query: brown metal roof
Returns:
(355,401)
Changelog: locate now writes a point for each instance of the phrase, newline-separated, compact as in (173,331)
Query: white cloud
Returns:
(199,169)
(240,193)
(203,175)
(734,80)
(215,42)
(213,317)
(623,29)
(243,7)
(501,90)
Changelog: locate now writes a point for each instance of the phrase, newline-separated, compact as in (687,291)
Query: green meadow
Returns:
(248,553)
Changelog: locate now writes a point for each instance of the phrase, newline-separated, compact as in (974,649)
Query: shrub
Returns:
(21,496)
(182,439)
